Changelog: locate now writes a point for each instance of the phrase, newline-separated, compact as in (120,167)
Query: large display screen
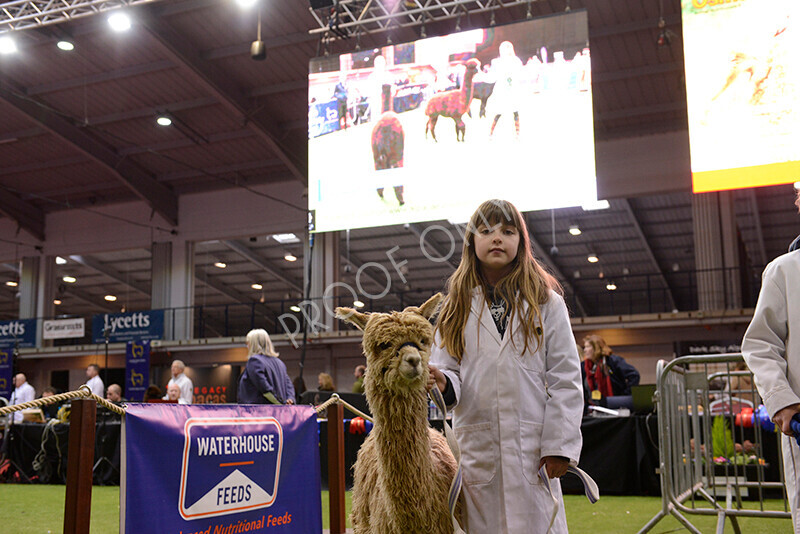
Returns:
(742,89)
(430,129)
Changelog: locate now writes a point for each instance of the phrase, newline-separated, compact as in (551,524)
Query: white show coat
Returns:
(771,348)
(505,422)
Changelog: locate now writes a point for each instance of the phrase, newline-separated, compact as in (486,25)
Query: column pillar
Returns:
(172,275)
(325,265)
(716,251)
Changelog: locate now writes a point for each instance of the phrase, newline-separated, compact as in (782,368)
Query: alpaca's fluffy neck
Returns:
(403,447)
(466,88)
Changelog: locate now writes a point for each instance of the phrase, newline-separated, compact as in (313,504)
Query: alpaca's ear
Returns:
(355,318)
(430,307)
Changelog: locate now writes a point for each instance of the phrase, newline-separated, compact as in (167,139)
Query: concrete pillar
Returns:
(29,286)
(324,258)
(172,274)
(716,251)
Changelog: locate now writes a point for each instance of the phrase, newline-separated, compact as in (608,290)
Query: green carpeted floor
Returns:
(35,509)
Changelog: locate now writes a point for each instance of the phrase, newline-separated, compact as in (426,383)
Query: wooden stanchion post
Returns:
(336,467)
(78,502)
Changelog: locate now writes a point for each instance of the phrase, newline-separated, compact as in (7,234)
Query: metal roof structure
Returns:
(78,133)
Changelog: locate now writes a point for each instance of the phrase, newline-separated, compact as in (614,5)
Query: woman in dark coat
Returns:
(605,373)
(265,380)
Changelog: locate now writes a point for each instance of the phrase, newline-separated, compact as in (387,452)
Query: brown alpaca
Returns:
(452,104)
(404,468)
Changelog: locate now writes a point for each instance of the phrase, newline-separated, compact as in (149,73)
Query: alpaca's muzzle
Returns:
(410,361)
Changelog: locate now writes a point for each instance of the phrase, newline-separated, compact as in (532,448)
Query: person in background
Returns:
(174,394)
(23,392)
(94,381)
(265,380)
(183,382)
(299,387)
(114,394)
(340,95)
(50,410)
(152,392)
(358,386)
(325,382)
(606,374)
(771,349)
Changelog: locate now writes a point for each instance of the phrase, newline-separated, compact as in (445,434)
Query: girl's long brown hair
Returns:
(528,282)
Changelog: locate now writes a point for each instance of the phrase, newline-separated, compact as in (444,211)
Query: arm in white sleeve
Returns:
(442,360)
(764,346)
(561,435)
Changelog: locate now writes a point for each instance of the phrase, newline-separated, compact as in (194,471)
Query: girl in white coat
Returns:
(505,356)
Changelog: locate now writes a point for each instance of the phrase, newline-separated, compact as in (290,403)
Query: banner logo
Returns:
(238,457)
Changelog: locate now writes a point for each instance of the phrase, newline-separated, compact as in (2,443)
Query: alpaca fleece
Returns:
(452,104)
(404,468)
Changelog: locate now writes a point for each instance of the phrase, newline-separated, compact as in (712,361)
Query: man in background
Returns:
(358,386)
(23,392)
(94,381)
(114,394)
(180,379)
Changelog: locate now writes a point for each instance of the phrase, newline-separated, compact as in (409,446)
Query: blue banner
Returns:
(220,469)
(131,326)
(20,332)
(6,372)
(137,369)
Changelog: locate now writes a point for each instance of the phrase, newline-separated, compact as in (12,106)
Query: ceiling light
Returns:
(65,45)
(60,260)
(290,257)
(285,238)
(611,286)
(592,258)
(220,264)
(163,120)
(797,185)
(358,304)
(110,298)
(626,271)
(12,283)
(69,279)
(576,274)
(574,230)
(57,302)
(119,22)
(7,45)
(294,308)
(256,286)
(596,205)
(246,3)
(676,267)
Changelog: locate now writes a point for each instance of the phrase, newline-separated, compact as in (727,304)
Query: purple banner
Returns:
(6,372)
(137,369)
(219,469)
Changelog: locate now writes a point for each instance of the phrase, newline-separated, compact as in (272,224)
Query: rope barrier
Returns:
(81,392)
(336,399)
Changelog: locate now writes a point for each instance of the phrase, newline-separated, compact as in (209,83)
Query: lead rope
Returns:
(455,485)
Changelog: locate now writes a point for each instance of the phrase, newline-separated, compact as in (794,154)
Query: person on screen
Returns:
(377,79)
(264,380)
(23,392)
(340,94)
(606,374)
(504,355)
(506,70)
(94,381)
(773,355)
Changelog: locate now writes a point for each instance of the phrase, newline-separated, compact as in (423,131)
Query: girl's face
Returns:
(588,350)
(496,247)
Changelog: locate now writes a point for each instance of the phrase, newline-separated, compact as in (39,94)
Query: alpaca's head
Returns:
(397,346)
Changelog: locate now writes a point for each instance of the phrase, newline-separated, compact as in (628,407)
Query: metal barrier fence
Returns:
(706,403)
